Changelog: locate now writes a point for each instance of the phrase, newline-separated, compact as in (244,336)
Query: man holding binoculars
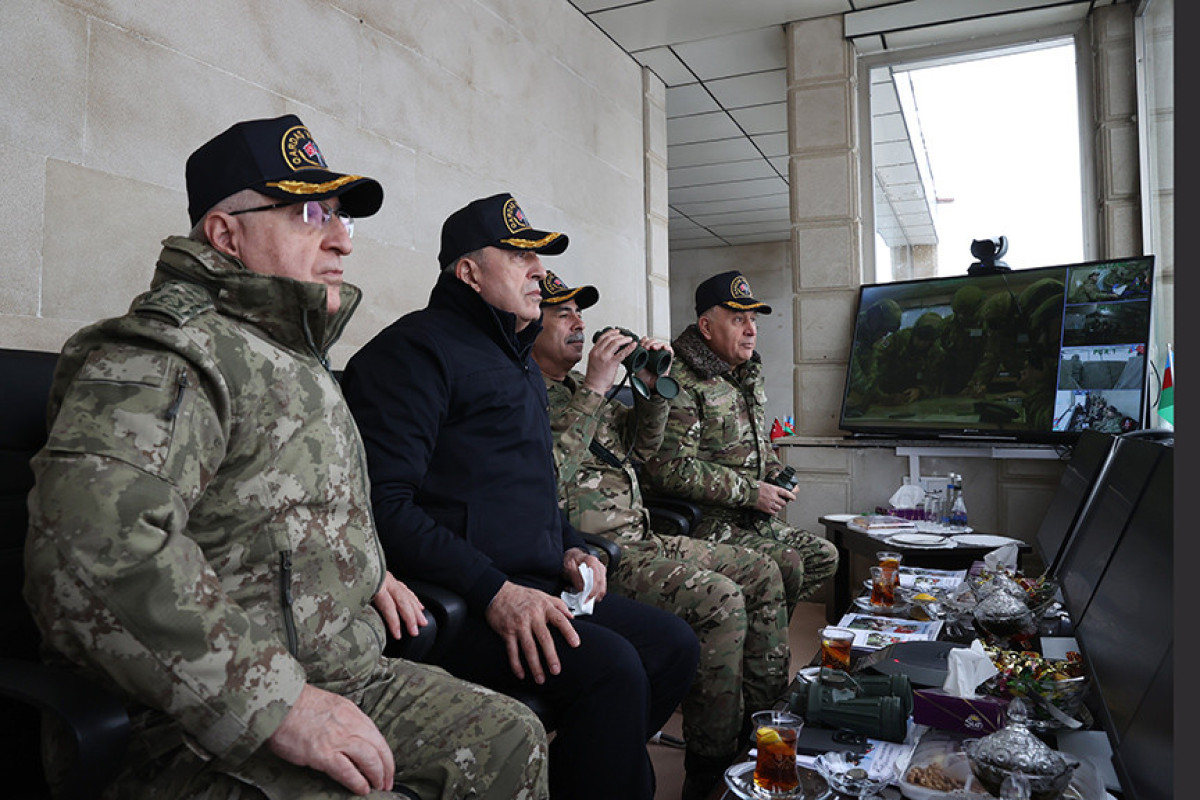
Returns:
(732,597)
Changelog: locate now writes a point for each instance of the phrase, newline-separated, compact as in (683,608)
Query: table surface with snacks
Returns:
(923,544)
(947,747)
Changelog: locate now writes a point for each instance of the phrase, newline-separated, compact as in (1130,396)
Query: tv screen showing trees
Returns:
(1033,354)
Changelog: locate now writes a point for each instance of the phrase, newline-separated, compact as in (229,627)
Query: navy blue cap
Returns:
(276,157)
(495,221)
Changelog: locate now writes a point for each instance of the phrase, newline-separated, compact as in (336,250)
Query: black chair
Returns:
(95,718)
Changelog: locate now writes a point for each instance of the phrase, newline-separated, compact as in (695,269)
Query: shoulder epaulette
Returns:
(177,301)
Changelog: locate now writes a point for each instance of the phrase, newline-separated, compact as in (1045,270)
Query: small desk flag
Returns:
(1166,400)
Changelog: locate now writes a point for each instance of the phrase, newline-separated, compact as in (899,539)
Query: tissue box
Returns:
(974,716)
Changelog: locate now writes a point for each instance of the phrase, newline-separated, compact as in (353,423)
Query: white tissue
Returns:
(580,603)
(969,667)
(1003,556)
(908,496)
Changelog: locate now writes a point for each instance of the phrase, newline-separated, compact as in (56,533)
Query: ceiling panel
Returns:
(666,65)
(771,144)
(759,88)
(736,54)
(724,150)
(689,100)
(684,177)
(638,26)
(770,118)
(702,209)
(725,191)
(701,128)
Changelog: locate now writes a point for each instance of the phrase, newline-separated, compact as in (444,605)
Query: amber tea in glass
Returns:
(883,589)
(836,644)
(775,772)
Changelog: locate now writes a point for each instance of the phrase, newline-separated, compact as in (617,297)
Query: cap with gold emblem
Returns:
(554,291)
(276,157)
(495,221)
(729,289)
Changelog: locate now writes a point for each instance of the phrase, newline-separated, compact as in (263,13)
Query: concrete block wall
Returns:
(441,102)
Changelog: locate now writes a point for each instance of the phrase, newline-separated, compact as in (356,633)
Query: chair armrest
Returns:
(449,612)
(414,648)
(685,508)
(603,549)
(95,718)
(670,522)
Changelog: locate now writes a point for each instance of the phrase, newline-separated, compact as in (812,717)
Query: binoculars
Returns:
(786,479)
(657,361)
(876,706)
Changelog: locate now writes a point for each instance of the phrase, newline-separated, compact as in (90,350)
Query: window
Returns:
(977,147)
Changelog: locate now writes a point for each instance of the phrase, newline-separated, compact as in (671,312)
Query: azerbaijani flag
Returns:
(1166,399)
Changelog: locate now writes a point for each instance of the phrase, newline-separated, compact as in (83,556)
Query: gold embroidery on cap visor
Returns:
(744,306)
(562,298)
(531,244)
(303,187)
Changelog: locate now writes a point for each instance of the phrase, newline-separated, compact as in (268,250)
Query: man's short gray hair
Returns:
(246,198)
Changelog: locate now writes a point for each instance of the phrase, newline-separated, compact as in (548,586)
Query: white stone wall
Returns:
(442,102)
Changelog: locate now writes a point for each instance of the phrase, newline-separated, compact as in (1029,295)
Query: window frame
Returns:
(956,52)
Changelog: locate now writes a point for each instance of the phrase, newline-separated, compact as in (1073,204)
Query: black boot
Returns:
(703,773)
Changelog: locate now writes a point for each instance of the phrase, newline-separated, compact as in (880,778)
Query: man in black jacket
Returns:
(452,411)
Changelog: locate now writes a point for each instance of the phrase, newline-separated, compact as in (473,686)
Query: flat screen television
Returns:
(1035,355)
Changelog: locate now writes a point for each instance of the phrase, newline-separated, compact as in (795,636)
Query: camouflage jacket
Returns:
(200,535)
(716,447)
(598,495)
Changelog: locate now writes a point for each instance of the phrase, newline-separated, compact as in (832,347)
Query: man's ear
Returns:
(467,271)
(223,232)
(704,325)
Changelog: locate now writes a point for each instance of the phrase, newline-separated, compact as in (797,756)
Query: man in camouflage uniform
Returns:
(731,596)
(200,536)
(911,362)
(874,325)
(716,449)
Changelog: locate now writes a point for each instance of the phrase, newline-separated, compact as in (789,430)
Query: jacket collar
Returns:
(289,311)
(695,352)
(451,294)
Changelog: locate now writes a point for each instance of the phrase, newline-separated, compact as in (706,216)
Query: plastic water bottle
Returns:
(958,510)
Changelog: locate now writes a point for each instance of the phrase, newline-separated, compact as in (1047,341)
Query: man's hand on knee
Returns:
(330,734)
(523,616)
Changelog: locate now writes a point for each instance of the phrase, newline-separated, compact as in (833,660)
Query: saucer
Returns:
(740,780)
(897,608)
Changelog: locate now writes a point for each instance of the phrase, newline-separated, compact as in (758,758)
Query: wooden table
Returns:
(849,541)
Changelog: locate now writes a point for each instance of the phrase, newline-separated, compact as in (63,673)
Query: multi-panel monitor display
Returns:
(1032,354)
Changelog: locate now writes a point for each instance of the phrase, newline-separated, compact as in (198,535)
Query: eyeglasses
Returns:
(314,213)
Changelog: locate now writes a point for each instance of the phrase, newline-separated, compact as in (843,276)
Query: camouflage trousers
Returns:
(451,740)
(805,560)
(733,600)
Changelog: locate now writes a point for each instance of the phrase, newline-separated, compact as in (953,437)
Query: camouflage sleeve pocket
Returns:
(117,406)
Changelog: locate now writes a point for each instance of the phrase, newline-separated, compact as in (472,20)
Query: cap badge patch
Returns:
(514,217)
(554,283)
(739,287)
(299,149)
